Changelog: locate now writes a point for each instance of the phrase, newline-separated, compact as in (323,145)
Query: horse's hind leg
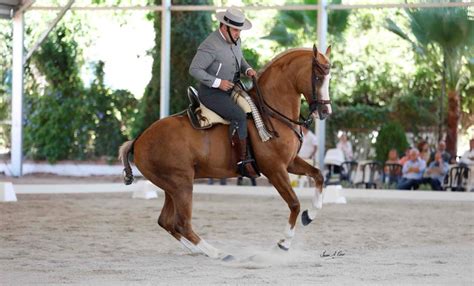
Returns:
(176,214)
(183,213)
(281,181)
(167,221)
(167,218)
(301,167)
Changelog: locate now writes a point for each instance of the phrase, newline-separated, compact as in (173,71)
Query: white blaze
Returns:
(325,90)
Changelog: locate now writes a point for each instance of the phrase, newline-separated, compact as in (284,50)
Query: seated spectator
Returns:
(425,152)
(405,158)
(468,157)
(393,174)
(442,148)
(345,145)
(412,171)
(436,171)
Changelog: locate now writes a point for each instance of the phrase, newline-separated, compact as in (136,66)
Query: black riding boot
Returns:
(244,166)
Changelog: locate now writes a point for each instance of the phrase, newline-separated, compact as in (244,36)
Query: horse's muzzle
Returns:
(324,111)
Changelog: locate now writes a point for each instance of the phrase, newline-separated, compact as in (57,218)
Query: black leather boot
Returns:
(244,165)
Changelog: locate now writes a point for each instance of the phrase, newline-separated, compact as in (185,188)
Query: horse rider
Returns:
(217,65)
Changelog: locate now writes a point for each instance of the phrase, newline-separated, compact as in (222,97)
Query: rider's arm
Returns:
(244,66)
(203,59)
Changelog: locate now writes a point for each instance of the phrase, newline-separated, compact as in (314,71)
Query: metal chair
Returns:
(348,170)
(392,172)
(457,177)
(370,173)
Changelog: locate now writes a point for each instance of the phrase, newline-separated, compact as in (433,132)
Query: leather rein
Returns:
(315,105)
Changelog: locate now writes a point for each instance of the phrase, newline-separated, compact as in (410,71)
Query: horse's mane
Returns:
(281,55)
(284,54)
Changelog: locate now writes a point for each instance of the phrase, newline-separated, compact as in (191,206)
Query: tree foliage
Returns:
(5,82)
(292,28)
(65,120)
(445,38)
(189,30)
(111,111)
(391,136)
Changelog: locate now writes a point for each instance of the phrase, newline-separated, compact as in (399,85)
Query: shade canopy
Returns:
(7,7)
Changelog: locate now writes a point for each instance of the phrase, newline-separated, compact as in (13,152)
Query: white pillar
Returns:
(165,58)
(322,31)
(17,96)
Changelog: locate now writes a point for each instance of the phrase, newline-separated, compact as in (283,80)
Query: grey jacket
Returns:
(215,58)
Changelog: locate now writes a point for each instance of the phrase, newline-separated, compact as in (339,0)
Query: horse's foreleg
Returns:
(281,181)
(301,167)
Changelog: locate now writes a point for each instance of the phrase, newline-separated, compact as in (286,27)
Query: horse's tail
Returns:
(123,156)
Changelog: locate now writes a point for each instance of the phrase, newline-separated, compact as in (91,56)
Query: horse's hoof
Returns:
(228,258)
(128,180)
(305,220)
(282,247)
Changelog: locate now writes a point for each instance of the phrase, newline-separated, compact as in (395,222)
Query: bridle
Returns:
(316,104)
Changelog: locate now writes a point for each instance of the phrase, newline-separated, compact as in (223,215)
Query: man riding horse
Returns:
(217,65)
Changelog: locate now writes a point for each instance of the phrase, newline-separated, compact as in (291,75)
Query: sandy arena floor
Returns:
(111,239)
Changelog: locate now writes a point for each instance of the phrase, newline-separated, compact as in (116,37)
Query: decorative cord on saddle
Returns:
(261,128)
(267,110)
(263,108)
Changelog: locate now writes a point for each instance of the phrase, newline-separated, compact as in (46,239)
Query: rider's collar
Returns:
(222,35)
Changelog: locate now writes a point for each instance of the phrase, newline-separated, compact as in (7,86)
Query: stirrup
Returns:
(241,168)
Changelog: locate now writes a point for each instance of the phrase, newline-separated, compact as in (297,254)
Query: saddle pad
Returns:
(208,117)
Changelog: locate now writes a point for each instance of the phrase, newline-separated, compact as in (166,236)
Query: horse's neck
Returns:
(278,90)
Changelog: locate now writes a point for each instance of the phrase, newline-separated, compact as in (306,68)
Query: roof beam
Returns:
(24,6)
(50,28)
(268,7)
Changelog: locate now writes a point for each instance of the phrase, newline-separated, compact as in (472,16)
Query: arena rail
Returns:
(333,194)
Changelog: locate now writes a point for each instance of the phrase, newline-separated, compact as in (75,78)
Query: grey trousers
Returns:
(220,102)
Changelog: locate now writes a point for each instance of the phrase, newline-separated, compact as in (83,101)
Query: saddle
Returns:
(202,117)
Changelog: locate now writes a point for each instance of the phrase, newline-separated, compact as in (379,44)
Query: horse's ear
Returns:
(315,50)
(328,51)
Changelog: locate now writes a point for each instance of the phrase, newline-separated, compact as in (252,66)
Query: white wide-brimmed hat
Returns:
(235,18)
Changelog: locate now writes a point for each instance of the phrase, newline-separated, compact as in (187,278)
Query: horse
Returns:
(171,153)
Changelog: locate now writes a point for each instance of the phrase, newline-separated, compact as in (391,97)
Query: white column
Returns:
(322,31)
(165,58)
(17,96)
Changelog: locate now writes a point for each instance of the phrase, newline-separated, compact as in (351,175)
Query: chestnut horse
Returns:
(171,153)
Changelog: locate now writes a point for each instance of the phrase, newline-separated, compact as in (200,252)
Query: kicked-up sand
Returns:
(111,239)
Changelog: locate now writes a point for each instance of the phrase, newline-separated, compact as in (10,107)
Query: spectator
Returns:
(392,157)
(309,145)
(442,148)
(345,145)
(412,171)
(393,173)
(405,158)
(436,172)
(468,157)
(425,152)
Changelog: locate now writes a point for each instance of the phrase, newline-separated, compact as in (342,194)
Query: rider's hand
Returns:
(251,73)
(226,85)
